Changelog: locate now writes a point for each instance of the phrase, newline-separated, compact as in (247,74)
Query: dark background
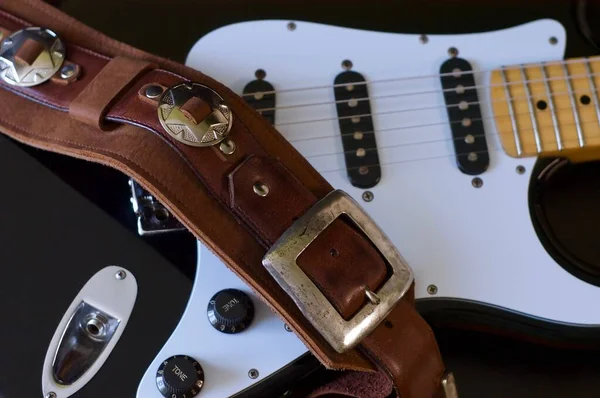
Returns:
(484,365)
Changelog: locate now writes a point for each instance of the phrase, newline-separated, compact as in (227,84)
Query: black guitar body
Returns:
(564,199)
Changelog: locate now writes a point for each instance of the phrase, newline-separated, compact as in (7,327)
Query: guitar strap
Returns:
(308,251)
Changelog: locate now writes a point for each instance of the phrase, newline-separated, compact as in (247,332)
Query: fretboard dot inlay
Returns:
(360,152)
(258,96)
(355,120)
(456,72)
(363,170)
(585,99)
(466,122)
(469,138)
(460,89)
(463,105)
(349,87)
(352,103)
(541,105)
(472,157)
(358,135)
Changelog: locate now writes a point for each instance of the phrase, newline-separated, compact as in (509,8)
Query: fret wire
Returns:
(511,113)
(536,133)
(559,143)
(592,84)
(573,106)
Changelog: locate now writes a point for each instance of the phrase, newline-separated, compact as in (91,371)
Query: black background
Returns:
(485,366)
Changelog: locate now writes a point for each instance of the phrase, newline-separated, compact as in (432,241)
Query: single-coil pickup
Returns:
(260,95)
(357,129)
(464,114)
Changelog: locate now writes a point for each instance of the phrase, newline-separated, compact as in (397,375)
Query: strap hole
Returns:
(388,324)
(334,253)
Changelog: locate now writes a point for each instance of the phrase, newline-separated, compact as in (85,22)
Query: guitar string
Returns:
(436,76)
(430,92)
(492,149)
(439,140)
(481,102)
(441,123)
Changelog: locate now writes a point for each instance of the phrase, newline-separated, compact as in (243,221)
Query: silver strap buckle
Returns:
(281,259)
(30,56)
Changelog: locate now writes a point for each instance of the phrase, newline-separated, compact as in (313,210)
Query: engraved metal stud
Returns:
(477,182)
(120,275)
(368,196)
(520,169)
(227,146)
(253,373)
(44,56)
(153,91)
(373,298)
(194,114)
(432,289)
(260,188)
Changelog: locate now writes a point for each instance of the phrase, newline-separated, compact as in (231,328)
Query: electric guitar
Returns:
(446,144)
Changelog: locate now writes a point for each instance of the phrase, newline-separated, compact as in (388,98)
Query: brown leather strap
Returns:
(211,193)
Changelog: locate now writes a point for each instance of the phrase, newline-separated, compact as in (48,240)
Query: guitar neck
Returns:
(547,108)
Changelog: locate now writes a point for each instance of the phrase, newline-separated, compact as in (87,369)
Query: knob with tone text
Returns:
(179,376)
(230,311)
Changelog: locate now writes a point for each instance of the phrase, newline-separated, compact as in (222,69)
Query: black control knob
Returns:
(230,311)
(179,376)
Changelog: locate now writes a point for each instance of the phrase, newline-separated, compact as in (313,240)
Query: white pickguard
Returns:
(473,244)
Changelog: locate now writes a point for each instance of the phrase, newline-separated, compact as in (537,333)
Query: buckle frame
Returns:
(42,65)
(281,263)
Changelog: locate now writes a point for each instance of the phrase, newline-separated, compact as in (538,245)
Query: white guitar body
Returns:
(474,244)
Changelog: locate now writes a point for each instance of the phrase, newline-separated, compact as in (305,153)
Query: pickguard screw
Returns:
(368,196)
(423,39)
(477,182)
(67,71)
(553,40)
(520,169)
(453,51)
(120,275)
(291,26)
(227,147)
(287,327)
(432,289)
(260,74)
(347,64)
(51,395)
(253,373)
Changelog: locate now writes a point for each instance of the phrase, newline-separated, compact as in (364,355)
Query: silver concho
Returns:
(30,56)
(216,118)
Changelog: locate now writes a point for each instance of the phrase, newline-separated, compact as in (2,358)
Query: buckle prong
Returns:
(281,262)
